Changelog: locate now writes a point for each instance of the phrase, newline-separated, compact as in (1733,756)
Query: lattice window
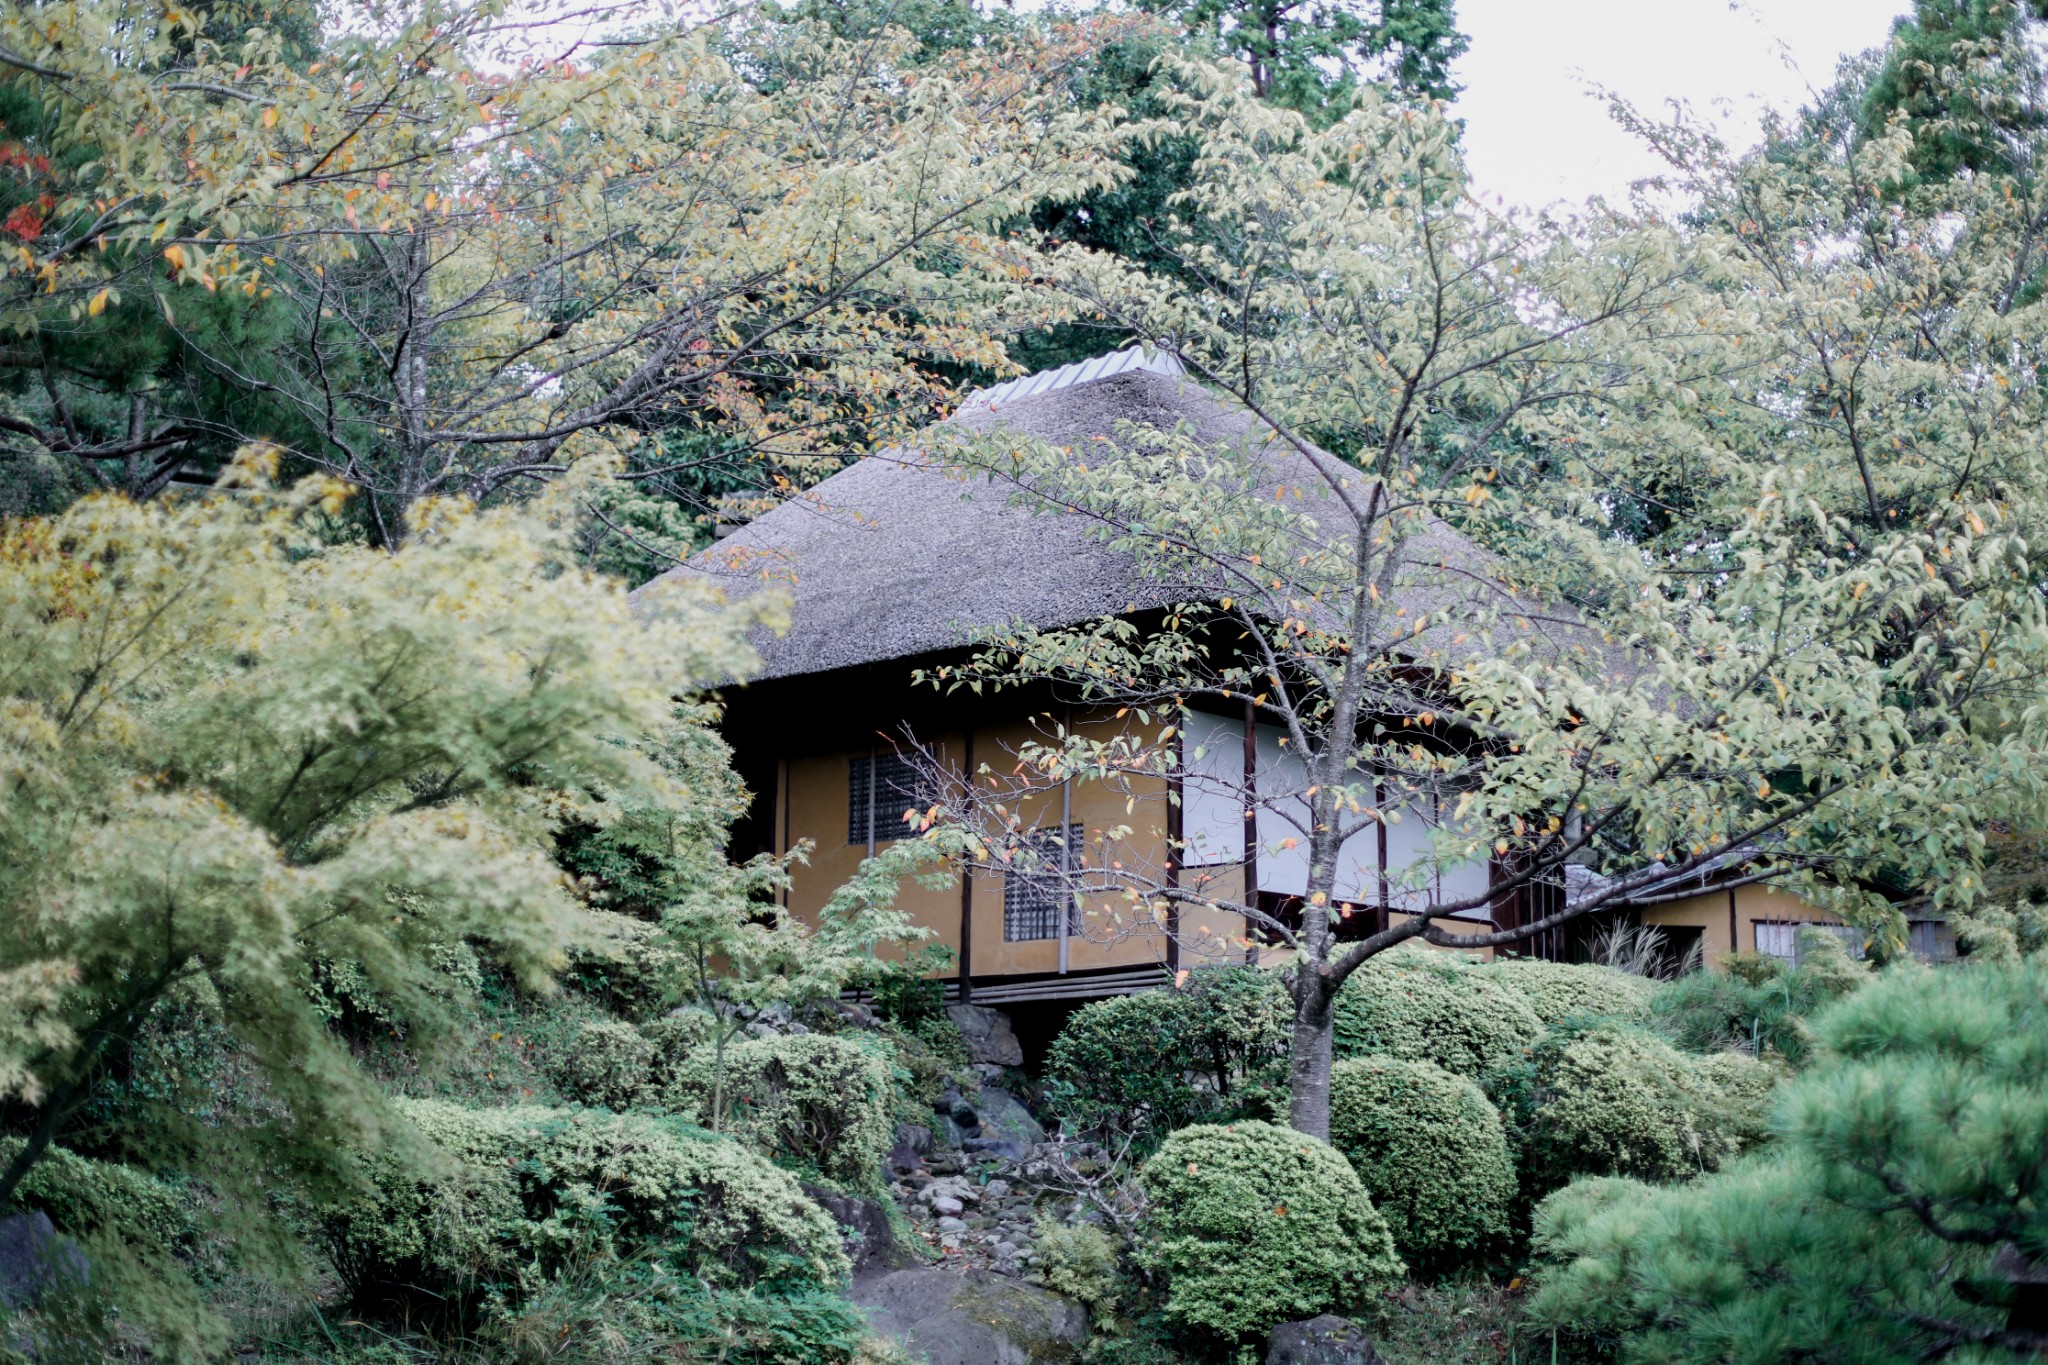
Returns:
(1777,940)
(1035,893)
(878,790)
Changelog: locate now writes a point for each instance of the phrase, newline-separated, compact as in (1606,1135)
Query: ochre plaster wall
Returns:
(812,804)
(1730,916)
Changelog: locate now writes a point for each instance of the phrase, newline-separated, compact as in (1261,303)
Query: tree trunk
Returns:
(1309,1064)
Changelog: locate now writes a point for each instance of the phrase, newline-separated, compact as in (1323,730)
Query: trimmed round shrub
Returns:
(1432,1153)
(1427,1006)
(1160,1060)
(1749,1091)
(810,1100)
(103,1199)
(606,1063)
(513,1190)
(1614,1100)
(1252,1224)
(676,1035)
(1558,991)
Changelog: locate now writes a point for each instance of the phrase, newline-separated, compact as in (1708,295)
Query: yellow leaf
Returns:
(98,304)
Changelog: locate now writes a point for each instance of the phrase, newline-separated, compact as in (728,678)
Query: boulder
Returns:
(864,1227)
(1002,1148)
(973,1318)
(1327,1340)
(1004,1118)
(988,1035)
(35,1259)
(913,1140)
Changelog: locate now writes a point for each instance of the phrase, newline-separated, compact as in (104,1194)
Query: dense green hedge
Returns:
(1251,1224)
(1615,1100)
(816,1101)
(1160,1060)
(607,1063)
(1558,991)
(1431,1151)
(1422,1005)
(517,1190)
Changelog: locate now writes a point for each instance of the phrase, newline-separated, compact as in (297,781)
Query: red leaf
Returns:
(24,223)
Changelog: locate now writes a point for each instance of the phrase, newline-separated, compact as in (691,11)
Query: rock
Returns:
(864,1225)
(988,1034)
(858,1015)
(34,1259)
(1003,1117)
(973,1318)
(952,1225)
(995,1147)
(1327,1340)
(947,1204)
(914,1136)
(996,1189)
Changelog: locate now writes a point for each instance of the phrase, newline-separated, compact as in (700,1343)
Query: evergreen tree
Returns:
(1964,77)
(1902,1217)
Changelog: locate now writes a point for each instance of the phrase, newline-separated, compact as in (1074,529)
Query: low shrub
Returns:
(1756,1003)
(103,1199)
(1078,1260)
(145,1263)
(814,1101)
(923,1072)
(512,1193)
(1749,1091)
(1143,1065)
(607,1063)
(1558,991)
(1612,1100)
(1251,1224)
(1432,1154)
(598,1311)
(629,969)
(1421,1005)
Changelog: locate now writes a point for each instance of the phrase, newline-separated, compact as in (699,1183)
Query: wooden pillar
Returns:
(1174,838)
(1379,802)
(1251,822)
(967,891)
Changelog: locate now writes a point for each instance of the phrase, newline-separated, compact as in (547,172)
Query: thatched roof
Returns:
(898,555)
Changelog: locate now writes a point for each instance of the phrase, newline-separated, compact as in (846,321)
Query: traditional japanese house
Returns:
(890,567)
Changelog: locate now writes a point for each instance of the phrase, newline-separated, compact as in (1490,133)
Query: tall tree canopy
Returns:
(1652,545)
(443,259)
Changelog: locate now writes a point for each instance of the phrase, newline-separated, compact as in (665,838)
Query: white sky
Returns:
(1536,134)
